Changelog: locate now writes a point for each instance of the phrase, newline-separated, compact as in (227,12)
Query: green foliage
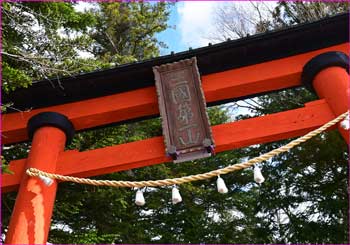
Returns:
(304,199)
(4,167)
(289,13)
(218,115)
(44,40)
(41,40)
(125,33)
(16,77)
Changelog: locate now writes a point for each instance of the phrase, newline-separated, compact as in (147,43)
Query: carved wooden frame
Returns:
(202,149)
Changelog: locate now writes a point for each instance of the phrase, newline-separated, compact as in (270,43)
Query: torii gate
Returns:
(312,54)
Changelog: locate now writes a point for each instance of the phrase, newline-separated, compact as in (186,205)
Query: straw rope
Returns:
(190,178)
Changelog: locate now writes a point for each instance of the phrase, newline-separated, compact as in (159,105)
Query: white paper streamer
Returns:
(175,195)
(258,177)
(345,124)
(47,181)
(221,185)
(139,199)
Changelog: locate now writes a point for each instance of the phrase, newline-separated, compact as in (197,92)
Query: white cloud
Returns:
(195,22)
(84,6)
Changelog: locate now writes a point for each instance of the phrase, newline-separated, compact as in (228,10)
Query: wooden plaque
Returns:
(186,128)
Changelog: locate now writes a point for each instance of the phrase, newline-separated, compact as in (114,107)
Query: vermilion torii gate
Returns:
(313,55)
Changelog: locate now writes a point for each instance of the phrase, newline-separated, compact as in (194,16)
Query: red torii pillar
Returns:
(31,217)
(327,75)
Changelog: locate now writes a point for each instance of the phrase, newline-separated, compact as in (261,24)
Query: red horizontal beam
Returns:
(259,78)
(142,153)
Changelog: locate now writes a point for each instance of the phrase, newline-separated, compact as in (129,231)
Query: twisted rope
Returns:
(166,182)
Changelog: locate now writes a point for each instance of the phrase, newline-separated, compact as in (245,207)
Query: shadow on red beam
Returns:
(148,152)
(260,78)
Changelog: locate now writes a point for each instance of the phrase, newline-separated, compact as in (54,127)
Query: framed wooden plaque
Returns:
(182,106)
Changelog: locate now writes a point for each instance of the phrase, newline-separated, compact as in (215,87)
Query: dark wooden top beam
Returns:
(211,59)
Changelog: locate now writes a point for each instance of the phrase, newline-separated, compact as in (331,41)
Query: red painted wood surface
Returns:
(264,77)
(147,152)
(333,85)
(31,216)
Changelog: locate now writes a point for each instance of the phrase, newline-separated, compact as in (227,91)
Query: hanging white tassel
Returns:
(345,124)
(47,181)
(175,195)
(258,177)
(221,185)
(139,199)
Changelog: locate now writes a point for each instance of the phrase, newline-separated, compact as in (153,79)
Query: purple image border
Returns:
(92,1)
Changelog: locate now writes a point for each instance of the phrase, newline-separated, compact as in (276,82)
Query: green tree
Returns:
(291,13)
(56,30)
(41,41)
(126,32)
(297,202)
(304,199)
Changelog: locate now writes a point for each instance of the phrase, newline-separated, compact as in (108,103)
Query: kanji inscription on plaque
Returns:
(185,123)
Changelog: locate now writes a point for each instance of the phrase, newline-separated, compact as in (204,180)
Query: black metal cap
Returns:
(51,119)
(320,62)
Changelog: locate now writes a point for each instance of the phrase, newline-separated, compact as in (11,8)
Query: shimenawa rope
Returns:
(175,181)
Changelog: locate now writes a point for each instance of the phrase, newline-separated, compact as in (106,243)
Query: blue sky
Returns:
(170,36)
(193,22)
